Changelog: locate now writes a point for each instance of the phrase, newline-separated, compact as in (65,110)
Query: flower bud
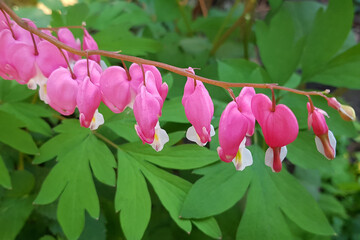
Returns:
(347,113)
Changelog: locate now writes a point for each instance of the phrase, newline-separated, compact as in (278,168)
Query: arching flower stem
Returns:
(177,70)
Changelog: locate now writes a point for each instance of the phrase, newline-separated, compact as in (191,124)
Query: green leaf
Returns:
(132,198)
(71,179)
(52,4)
(300,206)
(269,192)
(102,161)
(13,215)
(204,198)
(76,14)
(171,191)
(242,71)
(209,226)
(280,45)
(173,111)
(274,4)
(71,134)
(95,229)
(22,184)
(262,218)
(342,71)
(195,45)
(123,125)
(332,206)
(12,135)
(4,175)
(11,91)
(31,115)
(167,10)
(186,156)
(335,24)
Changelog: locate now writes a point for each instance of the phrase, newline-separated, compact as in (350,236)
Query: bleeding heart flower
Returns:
(90,44)
(324,140)
(82,69)
(279,126)
(62,91)
(244,105)
(88,100)
(115,89)
(147,109)
(199,110)
(236,122)
(66,36)
(137,79)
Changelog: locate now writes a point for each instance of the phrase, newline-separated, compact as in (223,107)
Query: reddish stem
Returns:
(143,72)
(35,46)
(273,100)
(67,63)
(126,70)
(8,23)
(312,108)
(87,65)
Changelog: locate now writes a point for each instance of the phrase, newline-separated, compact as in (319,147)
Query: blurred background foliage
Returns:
(300,44)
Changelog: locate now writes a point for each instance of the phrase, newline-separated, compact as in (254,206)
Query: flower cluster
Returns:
(66,82)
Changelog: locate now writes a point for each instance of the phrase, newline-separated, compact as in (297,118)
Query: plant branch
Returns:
(141,61)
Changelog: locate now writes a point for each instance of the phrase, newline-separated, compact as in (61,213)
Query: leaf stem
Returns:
(105,139)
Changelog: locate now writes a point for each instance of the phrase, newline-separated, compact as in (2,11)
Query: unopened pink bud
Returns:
(90,44)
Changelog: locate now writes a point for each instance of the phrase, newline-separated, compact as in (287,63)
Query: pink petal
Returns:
(88,100)
(66,36)
(62,91)
(244,105)
(232,130)
(199,110)
(146,110)
(22,58)
(280,127)
(81,71)
(137,78)
(317,121)
(90,44)
(49,58)
(115,89)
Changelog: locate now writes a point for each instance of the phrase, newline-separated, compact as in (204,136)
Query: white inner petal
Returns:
(269,158)
(332,141)
(283,153)
(97,120)
(103,65)
(191,135)
(212,130)
(32,84)
(160,138)
(242,159)
(319,146)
